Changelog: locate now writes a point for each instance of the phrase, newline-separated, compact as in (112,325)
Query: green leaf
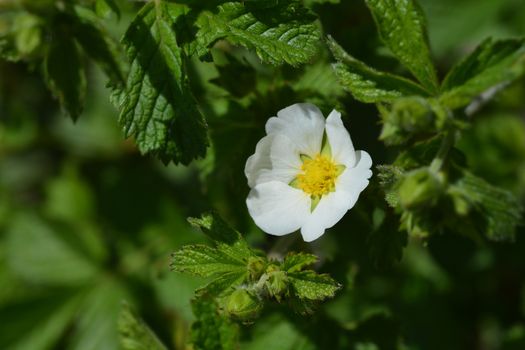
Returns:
(495,145)
(38,322)
(97,44)
(96,326)
(228,262)
(402,28)
(223,285)
(28,34)
(313,286)
(294,262)
(212,331)
(286,33)
(228,240)
(69,198)
(157,106)
(135,334)
(367,84)
(216,228)
(278,332)
(388,177)
(493,64)
(499,210)
(65,74)
(204,261)
(38,254)
(242,278)
(104,8)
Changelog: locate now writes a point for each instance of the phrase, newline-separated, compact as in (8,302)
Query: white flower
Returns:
(305,174)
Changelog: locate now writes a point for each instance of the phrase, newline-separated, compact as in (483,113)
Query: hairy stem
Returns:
(446,144)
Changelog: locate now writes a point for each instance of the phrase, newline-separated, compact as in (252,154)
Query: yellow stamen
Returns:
(318,176)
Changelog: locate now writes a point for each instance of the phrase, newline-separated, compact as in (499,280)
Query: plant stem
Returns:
(446,144)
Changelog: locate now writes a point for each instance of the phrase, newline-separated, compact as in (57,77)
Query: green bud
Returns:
(405,117)
(256,266)
(242,305)
(412,114)
(277,284)
(420,187)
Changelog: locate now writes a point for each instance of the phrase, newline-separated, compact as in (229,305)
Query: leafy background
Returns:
(87,223)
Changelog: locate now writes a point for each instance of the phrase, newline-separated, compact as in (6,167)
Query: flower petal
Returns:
(259,161)
(277,208)
(343,151)
(303,123)
(334,206)
(327,213)
(285,154)
(354,180)
(276,158)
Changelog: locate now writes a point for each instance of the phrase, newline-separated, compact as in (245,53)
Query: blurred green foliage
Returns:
(87,224)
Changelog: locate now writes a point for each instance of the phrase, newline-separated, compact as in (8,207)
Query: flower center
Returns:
(318,176)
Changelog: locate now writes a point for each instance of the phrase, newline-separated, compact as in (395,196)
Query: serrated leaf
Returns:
(97,44)
(135,334)
(493,63)
(228,240)
(402,28)
(204,261)
(313,286)
(286,33)
(65,74)
(224,284)
(216,228)
(227,262)
(157,106)
(96,324)
(211,331)
(294,262)
(367,84)
(499,209)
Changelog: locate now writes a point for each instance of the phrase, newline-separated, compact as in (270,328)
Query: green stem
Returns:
(446,144)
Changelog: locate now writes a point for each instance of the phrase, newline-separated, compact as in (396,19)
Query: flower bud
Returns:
(406,117)
(412,114)
(242,305)
(256,266)
(277,284)
(420,187)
